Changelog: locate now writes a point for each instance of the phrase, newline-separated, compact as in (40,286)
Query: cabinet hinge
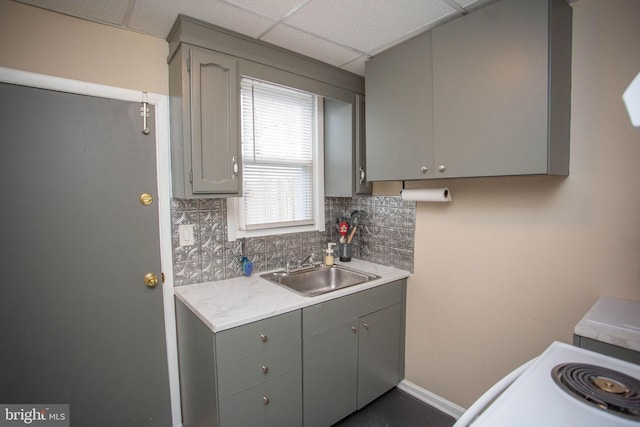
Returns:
(191,176)
(189,64)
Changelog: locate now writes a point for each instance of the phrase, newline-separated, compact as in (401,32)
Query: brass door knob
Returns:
(146,199)
(151,280)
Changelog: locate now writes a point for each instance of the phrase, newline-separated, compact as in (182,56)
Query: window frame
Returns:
(318,224)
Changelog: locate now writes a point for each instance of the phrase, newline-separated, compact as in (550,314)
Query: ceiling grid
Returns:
(343,33)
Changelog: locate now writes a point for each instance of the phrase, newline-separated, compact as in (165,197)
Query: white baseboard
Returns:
(432,399)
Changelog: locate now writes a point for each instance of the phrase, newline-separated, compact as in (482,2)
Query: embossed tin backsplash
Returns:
(385,236)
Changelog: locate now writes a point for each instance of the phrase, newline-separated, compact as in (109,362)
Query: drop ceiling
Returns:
(344,33)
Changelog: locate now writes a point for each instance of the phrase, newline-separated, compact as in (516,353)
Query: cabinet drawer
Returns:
(245,373)
(244,341)
(326,315)
(276,403)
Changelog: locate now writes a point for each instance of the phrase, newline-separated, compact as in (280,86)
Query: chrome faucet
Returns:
(309,258)
(306,261)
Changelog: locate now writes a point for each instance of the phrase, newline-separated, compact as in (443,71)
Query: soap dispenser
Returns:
(328,258)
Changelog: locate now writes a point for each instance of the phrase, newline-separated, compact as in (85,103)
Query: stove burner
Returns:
(601,387)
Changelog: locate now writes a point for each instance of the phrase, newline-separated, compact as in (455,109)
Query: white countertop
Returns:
(234,302)
(613,321)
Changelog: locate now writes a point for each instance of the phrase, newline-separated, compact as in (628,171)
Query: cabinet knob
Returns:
(265,400)
(264,337)
(424,169)
(441,168)
(362,175)
(265,369)
(354,329)
(366,325)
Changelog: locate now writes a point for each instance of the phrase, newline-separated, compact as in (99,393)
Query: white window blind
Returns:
(278,141)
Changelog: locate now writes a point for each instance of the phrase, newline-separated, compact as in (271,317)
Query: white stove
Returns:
(583,395)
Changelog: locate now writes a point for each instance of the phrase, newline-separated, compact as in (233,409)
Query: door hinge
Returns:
(144,112)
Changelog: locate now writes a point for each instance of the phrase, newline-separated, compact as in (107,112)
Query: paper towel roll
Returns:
(427,194)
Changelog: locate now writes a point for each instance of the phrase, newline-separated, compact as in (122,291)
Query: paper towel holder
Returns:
(425,194)
(446,190)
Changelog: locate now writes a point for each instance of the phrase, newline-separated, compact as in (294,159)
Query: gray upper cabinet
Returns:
(501,90)
(206,63)
(362,182)
(344,161)
(487,94)
(399,116)
(204,92)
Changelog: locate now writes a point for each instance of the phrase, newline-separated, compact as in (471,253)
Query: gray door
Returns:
(78,325)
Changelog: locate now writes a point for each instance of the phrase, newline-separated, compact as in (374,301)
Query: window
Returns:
(281,161)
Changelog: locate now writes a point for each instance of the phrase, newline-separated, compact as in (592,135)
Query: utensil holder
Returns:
(344,252)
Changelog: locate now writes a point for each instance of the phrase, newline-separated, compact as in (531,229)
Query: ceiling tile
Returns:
(298,41)
(368,25)
(465,3)
(274,9)
(357,65)
(112,12)
(147,17)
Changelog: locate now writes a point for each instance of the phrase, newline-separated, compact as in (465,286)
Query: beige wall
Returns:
(513,263)
(42,42)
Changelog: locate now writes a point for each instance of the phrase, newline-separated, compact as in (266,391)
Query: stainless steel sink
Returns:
(314,281)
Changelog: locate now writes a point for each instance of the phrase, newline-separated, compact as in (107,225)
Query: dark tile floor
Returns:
(397,409)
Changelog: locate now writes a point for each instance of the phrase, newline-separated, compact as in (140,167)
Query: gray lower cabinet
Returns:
(310,367)
(487,94)
(204,102)
(379,353)
(353,352)
(246,376)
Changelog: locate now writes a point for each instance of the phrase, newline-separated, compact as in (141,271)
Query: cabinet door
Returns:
(399,116)
(329,384)
(215,122)
(344,151)
(379,367)
(363,185)
(338,149)
(490,80)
